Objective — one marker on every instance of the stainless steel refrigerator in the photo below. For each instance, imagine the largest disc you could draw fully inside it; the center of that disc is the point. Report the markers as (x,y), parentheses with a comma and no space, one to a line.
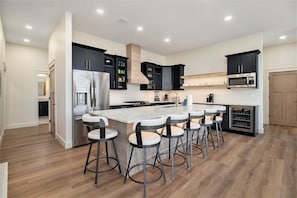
(90,92)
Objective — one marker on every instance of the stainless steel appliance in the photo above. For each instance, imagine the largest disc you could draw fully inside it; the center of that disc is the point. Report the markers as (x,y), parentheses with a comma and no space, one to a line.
(242,118)
(210,98)
(242,80)
(90,92)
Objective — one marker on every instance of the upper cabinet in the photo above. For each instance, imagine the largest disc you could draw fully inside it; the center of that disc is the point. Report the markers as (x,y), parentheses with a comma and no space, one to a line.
(162,77)
(116,66)
(153,73)
(87,58)
(177,72)
(120,72)
(245,62)
(109,67)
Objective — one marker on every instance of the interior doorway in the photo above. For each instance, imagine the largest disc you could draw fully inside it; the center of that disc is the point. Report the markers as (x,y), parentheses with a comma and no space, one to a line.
(283,98)
(43,97)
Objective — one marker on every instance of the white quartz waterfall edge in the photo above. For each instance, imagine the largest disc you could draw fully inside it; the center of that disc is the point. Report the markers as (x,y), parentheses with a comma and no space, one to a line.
(3,179)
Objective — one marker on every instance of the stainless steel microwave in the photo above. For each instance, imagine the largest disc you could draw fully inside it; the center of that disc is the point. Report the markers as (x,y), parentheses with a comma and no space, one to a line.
(242,80)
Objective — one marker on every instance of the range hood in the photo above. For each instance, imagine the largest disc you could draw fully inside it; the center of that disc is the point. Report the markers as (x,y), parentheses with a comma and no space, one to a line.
(135,76)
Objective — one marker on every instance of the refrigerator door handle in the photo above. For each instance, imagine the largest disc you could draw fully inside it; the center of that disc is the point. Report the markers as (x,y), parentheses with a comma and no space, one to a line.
(91,94)
(94,93)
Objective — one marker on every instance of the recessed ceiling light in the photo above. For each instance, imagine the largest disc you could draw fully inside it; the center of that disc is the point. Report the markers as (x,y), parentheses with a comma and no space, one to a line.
(167,40)
(139,28)
(100,11)
(26,40)
(282,37)
(228,18)
(29,27)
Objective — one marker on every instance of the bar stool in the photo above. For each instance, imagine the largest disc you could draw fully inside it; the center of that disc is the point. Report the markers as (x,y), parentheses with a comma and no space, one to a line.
(173,132)
(207,122)
(145,136)
(218,123)
(97,133)
(195,119)
(195,125)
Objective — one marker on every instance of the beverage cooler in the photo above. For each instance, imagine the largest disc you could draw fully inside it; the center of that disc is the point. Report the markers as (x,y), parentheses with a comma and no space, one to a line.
(242,119)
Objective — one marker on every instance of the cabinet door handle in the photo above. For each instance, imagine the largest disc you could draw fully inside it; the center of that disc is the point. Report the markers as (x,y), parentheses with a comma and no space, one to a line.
(241,68)
(238,68)
(86,64)
(89,65)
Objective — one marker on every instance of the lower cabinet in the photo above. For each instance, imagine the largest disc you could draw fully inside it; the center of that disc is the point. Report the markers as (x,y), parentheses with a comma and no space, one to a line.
(43,108)
(242,119)
(239,119)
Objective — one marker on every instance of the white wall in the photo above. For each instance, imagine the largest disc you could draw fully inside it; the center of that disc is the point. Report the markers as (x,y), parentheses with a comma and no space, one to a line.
(212,59)
(277,58)
(21,87)
(60,54)
(2,80)
(133,91)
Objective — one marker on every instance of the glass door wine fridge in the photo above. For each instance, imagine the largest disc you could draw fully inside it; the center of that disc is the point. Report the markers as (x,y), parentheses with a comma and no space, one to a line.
(242,118)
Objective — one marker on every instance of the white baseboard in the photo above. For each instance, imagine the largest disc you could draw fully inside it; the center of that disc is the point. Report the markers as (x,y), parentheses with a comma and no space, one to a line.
(66,145)
(21,125)
(260,130)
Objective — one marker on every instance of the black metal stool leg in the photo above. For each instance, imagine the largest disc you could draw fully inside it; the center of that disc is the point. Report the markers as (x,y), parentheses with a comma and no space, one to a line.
(87,161)
(172,162)
(211,135)
(144,172)
(106,150)
(221,132)
(162,168)
(158,146)
(116,154)
(218,135)
(185,156)
(128,164)
(97,162)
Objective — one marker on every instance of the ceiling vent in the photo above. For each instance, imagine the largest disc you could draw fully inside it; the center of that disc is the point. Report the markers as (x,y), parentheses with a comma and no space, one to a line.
(135,76)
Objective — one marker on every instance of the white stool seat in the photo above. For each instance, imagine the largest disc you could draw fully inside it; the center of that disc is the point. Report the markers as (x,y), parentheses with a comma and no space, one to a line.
(148,138)
(175,131)
(208,122)
(194,125)
(219,119)
(109,134)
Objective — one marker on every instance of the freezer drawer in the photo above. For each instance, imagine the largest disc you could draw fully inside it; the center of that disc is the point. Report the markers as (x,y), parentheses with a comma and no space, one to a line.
(80,133)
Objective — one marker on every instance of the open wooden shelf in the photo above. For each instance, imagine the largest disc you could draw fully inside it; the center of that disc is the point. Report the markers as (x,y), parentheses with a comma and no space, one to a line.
(207,80)
(203,86)
(206,75)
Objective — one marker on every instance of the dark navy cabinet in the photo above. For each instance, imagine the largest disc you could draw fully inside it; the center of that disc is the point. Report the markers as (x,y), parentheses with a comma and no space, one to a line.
(87,58)
(246,62)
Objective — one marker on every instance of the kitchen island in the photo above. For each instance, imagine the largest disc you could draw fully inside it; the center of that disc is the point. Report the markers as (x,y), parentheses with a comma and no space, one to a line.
(123,120)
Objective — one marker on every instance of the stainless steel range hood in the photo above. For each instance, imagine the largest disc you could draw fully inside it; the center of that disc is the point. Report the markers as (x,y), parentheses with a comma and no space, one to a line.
(135,76)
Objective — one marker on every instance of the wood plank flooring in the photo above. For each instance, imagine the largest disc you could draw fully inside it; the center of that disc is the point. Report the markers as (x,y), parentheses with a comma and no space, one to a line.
(265,166)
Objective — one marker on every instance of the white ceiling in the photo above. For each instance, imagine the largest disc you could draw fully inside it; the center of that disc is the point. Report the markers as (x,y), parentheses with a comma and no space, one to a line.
(189,23)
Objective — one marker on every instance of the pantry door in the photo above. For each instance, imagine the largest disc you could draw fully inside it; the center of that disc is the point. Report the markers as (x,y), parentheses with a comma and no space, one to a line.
(283,98)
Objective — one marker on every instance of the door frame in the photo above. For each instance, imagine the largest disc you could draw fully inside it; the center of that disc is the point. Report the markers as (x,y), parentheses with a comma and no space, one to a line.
(45,72)
(52,66)
(266,90)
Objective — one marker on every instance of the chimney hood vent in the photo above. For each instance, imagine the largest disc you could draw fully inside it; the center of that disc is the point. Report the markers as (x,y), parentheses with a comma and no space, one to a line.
(135,76)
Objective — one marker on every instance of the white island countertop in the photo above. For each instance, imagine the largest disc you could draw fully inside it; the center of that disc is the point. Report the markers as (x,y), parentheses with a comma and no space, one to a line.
(132,115)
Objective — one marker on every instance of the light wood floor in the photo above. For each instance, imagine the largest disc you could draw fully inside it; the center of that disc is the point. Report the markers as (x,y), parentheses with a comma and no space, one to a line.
(265,166)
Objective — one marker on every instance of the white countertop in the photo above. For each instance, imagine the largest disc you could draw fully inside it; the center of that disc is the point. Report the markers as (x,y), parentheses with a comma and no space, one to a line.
(132,115)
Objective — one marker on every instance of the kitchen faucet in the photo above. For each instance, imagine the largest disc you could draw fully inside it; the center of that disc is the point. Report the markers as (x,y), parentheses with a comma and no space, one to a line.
(176,98)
